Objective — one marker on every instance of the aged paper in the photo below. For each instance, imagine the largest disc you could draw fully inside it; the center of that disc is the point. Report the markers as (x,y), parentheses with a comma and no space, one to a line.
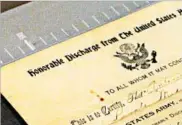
(165,112)
(103,75)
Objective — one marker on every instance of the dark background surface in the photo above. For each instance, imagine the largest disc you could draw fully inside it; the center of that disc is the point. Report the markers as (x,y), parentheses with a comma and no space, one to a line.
(9,116)
(7,5)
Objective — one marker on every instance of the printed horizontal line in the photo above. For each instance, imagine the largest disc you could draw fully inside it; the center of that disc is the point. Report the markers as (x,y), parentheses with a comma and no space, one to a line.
(54,36)
(29,45)
(9,53)
(64,32)
(85,23)
(96,20)
(135,4)
(126,7)
(117,13)
(23,52)
(74,27)
(42,40)
(106,15)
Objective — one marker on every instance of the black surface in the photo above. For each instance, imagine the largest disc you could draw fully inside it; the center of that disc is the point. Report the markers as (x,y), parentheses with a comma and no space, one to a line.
(9,115)
(7,5)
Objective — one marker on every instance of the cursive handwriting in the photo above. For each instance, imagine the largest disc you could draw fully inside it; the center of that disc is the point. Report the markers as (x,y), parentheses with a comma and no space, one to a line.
(153,87)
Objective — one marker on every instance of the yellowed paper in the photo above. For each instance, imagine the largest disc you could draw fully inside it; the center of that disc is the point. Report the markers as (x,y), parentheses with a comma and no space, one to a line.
(165,112)
(88,79)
